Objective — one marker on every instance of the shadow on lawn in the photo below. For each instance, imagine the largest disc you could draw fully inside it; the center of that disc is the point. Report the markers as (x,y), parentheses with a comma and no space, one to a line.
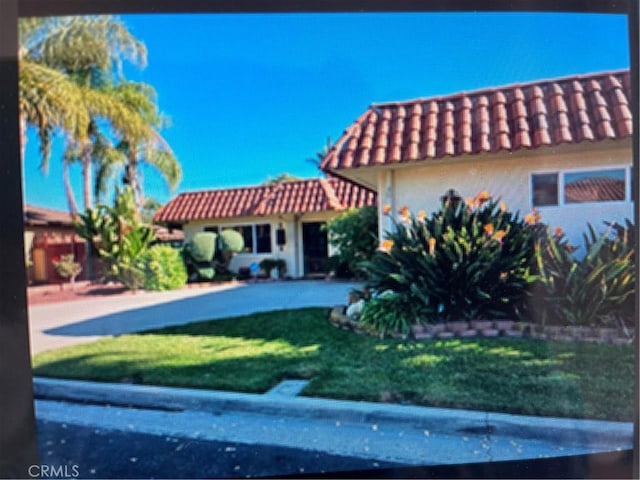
(242,300)
(253,354)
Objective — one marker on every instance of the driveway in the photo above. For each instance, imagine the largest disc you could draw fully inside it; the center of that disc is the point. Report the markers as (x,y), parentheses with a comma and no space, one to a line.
(62,324)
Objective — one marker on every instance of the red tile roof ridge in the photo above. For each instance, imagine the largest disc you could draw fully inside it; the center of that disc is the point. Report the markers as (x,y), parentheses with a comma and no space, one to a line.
(490,90)
(272,187)
(334,203)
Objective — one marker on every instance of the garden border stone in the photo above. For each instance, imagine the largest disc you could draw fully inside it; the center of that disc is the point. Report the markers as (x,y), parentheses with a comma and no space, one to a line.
(496,328)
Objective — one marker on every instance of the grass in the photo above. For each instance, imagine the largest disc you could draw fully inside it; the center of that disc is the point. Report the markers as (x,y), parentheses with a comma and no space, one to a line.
(255,352)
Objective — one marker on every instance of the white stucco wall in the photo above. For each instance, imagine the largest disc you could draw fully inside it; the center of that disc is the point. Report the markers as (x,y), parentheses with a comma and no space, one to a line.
(508,176)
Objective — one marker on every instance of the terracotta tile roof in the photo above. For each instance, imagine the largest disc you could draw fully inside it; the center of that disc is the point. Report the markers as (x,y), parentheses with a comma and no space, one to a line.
(524,116)
(303,196)
(40,216)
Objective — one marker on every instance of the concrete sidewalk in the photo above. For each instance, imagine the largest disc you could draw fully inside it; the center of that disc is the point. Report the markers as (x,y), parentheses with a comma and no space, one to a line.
(62,324)
(391,433)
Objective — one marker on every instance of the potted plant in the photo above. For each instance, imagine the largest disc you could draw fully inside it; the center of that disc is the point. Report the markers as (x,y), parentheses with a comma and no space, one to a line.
(274,267)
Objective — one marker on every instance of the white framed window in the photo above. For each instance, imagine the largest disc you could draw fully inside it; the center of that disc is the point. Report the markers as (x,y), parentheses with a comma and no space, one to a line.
(580,186)
(257,237)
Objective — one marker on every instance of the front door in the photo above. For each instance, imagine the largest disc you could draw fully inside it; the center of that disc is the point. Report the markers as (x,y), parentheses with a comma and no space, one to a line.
(314,248)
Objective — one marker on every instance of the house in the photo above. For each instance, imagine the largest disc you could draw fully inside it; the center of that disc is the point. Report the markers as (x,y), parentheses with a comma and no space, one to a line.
(562,146)
(48,234)
(281,221)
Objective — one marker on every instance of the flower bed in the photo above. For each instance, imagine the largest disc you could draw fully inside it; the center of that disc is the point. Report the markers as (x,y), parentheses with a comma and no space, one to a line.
(493,328)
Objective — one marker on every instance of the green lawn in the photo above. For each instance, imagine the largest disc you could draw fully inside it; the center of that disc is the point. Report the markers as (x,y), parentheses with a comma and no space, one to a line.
(254,353)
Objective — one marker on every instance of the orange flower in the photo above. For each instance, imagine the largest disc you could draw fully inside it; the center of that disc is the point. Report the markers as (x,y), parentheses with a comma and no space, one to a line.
(530,219)
(404,212)
(488,229)
(422,215)
(386,246)
(503,207)
(386,210)
(482,197)
(558,232)
(432,247)
(499,235)
(536,215)
(470,202)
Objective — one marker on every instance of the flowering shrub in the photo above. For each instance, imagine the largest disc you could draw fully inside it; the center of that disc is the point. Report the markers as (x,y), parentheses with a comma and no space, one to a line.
(468,260)
(596,290)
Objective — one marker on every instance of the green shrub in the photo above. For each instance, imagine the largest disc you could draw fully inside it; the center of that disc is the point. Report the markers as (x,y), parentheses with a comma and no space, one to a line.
(391,313)
(164,268)
(595,290)
(269,264)
(202,247)
(355,234)
(231,241)
(468,260)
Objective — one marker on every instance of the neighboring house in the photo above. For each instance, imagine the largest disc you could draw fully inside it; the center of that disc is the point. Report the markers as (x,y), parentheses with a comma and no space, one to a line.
(48,234)
(561,146)
(276,221)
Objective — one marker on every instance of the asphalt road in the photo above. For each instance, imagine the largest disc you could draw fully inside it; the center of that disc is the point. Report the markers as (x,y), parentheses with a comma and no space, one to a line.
(102,453)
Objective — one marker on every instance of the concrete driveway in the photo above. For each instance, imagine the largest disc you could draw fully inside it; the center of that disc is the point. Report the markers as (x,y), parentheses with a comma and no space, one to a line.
(58,325)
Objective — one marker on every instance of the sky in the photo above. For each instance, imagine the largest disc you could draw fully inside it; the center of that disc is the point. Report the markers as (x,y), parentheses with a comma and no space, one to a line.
(254,95)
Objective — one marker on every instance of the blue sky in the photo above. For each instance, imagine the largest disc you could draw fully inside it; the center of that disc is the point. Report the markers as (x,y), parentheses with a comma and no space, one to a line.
(252,96)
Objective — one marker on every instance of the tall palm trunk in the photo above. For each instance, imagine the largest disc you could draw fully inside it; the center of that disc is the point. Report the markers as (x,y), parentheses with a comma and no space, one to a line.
(68,189)
(132,178)
(87,180)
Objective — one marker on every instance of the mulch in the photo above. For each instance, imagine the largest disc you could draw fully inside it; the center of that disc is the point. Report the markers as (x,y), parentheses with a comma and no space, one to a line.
(82,291)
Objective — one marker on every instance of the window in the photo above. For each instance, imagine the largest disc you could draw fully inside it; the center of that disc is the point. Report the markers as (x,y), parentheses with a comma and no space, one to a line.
(263,238)
(247,234)
(545,189)
(586,186)
(257,238)
(598,186)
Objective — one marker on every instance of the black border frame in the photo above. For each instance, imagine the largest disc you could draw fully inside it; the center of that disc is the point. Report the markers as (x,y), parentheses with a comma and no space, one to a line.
(18,443)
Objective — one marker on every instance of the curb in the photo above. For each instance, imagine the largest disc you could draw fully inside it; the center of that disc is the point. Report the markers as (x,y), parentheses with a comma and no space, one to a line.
(434,420)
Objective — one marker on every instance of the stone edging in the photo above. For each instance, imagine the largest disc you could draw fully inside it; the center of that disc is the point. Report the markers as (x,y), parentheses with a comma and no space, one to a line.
(495,328)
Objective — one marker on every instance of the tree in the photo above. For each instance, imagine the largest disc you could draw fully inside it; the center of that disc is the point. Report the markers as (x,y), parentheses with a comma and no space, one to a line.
(119,238)
(355,234)
(281,178)
(48,99)
(84,55)
(320,154)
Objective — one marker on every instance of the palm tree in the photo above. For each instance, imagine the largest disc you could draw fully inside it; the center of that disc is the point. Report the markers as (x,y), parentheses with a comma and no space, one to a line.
(48,99)
(150,148)
(317,160)
(85,55)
